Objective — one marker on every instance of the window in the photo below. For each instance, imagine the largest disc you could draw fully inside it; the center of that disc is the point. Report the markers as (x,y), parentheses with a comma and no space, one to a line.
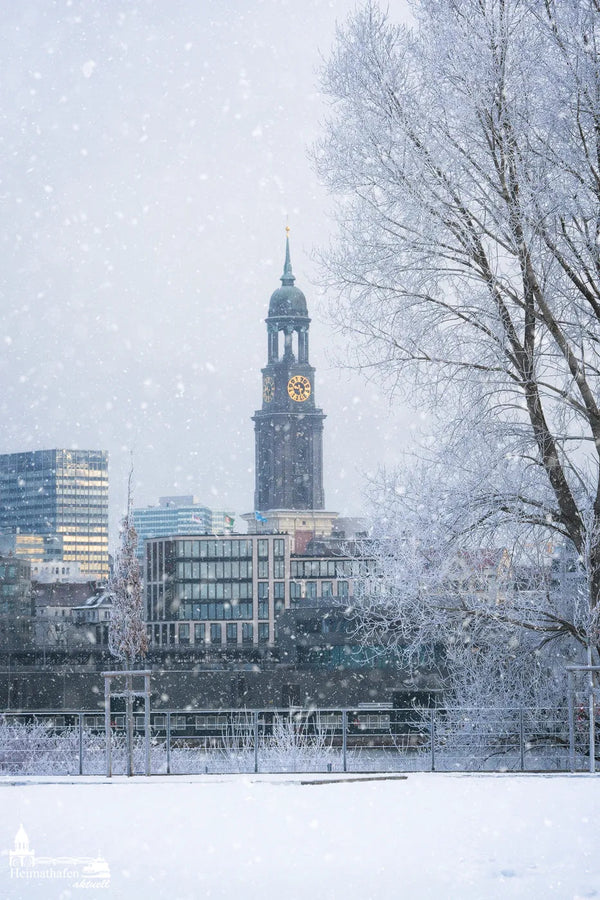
(263,568)
(326,589)
(199,633)
(263,599)
(263,633)
(311,590)
(233,610)
(278,547)
(215,634)
(263,549)
(247,633)
(231,633)
(342,588)
(278,568)
(245,548)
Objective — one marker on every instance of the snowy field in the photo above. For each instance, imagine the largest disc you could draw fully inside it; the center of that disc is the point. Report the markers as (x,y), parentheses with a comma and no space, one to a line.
(469,837)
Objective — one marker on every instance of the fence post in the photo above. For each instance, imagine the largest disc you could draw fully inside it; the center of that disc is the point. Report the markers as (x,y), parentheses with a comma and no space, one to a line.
(521,739)
(168,743)
(147,722)
(129,708)
(591,713)
(432,729)
(81,743)
(345,739)
(571,714)
(107,726)
(255,716)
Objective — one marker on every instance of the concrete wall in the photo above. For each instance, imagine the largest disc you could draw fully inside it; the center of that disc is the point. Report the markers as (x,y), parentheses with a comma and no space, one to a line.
(72,688)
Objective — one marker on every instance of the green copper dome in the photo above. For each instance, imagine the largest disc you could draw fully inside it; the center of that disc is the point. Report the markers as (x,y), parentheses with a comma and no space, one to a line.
(288,300)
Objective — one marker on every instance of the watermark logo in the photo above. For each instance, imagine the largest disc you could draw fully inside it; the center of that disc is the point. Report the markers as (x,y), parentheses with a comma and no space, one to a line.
(79,871)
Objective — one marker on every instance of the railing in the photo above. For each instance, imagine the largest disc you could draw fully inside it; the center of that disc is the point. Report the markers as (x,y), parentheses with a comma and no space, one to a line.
(382,739)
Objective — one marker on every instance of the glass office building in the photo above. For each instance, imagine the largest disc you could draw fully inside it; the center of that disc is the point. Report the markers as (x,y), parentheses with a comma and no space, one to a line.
(62,496)
(180,514)
(229,592)
(225,592)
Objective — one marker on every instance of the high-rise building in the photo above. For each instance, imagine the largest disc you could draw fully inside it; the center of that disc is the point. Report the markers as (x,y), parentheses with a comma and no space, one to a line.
(181,514)
(289,493)
(60,496)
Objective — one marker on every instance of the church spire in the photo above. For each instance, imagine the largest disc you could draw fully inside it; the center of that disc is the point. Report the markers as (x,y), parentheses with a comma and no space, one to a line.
(288,277)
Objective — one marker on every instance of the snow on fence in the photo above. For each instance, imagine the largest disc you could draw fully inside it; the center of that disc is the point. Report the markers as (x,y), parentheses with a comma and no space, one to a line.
(299,740)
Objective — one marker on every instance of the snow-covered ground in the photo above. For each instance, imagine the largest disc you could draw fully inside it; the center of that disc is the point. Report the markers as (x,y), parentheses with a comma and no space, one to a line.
(469,837)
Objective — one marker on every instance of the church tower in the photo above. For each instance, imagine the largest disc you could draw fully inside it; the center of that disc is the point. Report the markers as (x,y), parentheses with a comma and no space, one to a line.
(288,427)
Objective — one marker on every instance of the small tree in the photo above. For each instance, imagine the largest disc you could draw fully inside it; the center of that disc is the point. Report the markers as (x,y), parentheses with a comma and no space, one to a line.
(127,632)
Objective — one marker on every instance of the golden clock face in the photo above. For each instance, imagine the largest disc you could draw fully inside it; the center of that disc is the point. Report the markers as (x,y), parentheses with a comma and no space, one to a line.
(299,388)
(268,388)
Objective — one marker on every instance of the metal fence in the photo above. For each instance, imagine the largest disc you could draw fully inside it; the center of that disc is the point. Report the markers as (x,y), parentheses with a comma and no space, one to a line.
(374,739)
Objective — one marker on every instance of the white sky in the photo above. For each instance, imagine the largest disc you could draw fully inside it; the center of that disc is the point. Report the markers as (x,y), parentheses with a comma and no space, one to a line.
(150,154)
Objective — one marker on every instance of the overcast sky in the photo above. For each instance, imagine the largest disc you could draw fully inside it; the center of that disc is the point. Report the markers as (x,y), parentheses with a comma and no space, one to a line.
(151,152)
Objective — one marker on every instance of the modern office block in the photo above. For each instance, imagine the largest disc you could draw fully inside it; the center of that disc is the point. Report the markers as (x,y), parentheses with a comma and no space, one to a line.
(228,592)
(57,497)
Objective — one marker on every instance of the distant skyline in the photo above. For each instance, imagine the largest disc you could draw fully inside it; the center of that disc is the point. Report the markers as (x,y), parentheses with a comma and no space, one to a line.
(151,154)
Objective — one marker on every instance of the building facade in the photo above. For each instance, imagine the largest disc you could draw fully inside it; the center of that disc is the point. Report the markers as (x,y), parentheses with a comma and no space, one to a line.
(16,604)
(51,572)
(179,515)
(59,498)
(228,593)
(54,604)
(220,592)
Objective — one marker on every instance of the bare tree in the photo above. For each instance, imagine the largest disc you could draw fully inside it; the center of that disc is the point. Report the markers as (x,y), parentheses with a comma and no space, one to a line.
(127,638)
(465,159)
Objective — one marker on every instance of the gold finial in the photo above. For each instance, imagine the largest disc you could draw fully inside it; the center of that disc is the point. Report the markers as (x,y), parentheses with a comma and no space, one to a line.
(287,226)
